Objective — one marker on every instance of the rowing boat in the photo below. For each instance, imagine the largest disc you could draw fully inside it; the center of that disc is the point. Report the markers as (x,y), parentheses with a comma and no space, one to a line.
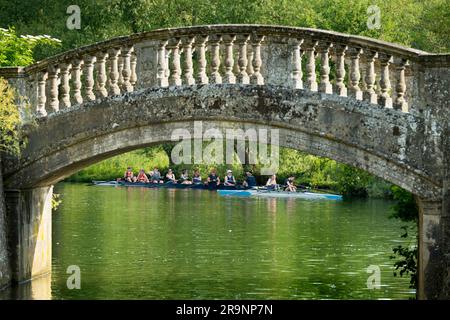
(222,190)
(278,194)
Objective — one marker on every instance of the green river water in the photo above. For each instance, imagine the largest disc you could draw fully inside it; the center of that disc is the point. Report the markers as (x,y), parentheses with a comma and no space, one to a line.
(136,243)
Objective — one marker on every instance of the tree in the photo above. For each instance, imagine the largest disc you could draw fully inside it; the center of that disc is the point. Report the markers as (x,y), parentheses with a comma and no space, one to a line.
(18,50)
(9,119)
(15,50)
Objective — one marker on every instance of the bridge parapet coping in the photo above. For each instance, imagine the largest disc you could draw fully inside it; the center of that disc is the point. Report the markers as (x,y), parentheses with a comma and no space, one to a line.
(316,60)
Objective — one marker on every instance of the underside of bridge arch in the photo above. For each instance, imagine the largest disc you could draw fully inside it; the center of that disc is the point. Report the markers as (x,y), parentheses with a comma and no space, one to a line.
(385,142)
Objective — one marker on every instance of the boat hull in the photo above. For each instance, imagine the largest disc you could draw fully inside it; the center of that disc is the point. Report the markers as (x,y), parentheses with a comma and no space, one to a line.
(279,194)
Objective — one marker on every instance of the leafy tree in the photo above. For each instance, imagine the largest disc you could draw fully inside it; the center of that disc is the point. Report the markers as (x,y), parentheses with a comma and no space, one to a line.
(407,211)
(17,50)
(9,119)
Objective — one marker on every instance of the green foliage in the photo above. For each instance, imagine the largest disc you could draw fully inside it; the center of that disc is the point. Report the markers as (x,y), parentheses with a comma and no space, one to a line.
(18,50)
(406,257)
(9,119)
(15,50)
(419,24)
(405,208)
(56,201)
(114,167)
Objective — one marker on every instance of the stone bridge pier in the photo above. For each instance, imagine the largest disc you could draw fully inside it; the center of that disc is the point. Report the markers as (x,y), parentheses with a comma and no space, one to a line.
(377,106)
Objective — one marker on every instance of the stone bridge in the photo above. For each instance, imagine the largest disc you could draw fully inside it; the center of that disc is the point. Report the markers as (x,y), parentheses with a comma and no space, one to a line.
(371,104)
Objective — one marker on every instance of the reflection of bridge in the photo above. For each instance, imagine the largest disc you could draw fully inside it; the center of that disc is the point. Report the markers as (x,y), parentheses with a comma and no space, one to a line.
(367,103)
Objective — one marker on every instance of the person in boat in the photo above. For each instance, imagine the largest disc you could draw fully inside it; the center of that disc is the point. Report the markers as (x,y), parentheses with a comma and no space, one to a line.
(170,177)
(197,178)
(184,178)
(249,181)
(128,176)
(213,178)
(272,183)
(290,186)
(229,180)
(156,176)
(142,177)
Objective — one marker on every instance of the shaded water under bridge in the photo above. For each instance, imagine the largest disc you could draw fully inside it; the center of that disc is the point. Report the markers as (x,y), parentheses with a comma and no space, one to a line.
(371,104)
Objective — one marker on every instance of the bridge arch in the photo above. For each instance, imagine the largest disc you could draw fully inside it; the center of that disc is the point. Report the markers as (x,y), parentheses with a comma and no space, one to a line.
(346,131)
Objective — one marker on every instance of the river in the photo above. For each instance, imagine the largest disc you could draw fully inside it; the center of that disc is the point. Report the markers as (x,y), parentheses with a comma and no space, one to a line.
(136,243)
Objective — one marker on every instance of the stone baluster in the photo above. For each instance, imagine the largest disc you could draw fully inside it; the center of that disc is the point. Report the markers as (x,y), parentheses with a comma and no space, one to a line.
(354,90)
(228,41)
(256,77)
(340,87)
(100,88)
(126,70)
(242,41)
(89,74)
(311,81)
(400,87)
(324,50)
(214,42)
(162,64)
(76,81)
(168,52)
(133,63)
(188,65)
(202,78)
(175,74)
(369,94)
(108,72)
(65,85)
(53,73)
(41,94)
(113,54)
(120,68)
(384,98)
(296,74)
(250,60)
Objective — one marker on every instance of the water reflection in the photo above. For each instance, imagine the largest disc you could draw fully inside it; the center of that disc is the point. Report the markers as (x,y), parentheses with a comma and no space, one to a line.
(38,289)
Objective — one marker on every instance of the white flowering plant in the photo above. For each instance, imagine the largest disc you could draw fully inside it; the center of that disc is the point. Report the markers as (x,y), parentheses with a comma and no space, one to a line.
(17,50)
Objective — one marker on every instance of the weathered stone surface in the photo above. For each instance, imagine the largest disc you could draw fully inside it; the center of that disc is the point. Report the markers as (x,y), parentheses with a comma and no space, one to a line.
(5,273)
(29,232)
(386,142)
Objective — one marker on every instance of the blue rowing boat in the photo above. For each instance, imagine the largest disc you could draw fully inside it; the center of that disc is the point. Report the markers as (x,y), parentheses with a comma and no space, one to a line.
(278,194)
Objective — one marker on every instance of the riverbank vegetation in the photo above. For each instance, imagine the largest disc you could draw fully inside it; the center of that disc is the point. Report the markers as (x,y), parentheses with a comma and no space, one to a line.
(310,171)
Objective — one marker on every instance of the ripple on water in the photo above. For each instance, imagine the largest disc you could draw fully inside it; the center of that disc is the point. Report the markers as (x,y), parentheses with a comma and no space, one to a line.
(162,244)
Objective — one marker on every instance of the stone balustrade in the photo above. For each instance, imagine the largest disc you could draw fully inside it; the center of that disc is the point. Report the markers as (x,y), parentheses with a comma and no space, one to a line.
(331,63)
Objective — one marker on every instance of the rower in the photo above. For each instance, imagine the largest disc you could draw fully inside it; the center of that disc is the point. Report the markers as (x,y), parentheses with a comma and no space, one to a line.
(250,181)
(184,178)
(156,176)
(213,178)
(289,182)
(230,181)
(272,183)
(170,177)
(142,177)
(197,178)
(128,175)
